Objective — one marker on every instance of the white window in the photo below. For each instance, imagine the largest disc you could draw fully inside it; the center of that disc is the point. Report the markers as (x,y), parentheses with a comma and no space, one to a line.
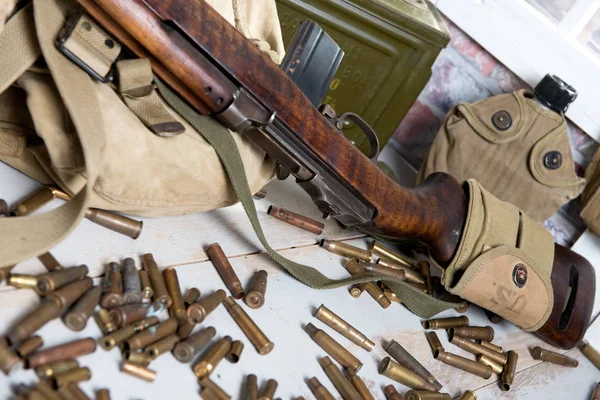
(536,37)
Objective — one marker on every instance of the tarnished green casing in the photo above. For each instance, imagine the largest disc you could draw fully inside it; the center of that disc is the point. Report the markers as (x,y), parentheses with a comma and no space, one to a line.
(390,46)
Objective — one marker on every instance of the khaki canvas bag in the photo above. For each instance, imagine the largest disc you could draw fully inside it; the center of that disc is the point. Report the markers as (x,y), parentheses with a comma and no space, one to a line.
(590,199)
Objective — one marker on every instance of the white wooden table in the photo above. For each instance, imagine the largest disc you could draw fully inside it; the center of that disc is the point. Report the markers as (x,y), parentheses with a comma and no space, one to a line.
(179,242)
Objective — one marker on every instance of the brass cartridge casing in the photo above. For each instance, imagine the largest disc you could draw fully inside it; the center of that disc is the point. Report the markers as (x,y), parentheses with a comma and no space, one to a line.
(425,269)
(410,275)
(339,381)
(384,271)
(590,353)
(462,307)
(75,375)
(225,270)
(477,349)
(354,268)
(159,289)
(186,351)
(120,336)
(147,291)
(468,395)
(33,202)
(269,390)
(251,388)
(149,336)
(212,357)
(115,222)
(185,329)
(426,395)
(208,385)
(103,321)
(162,346)
(496,368)
(8,358)
(473,332)
(132,286)
(333,348)
(297,220)
(43,314)
(72,392)
(191,296)
(65,351)
(3,208)
(403,375)
(256,293)
(69,294)
(112,286)
(102,394)
(235,352)
(386,253)
(434,342)
(356,291)
(358,384)
(445,323)
(391,296)
(345,250)
(199,310)
(177,308)
(404,358)
(470,366)
(259,340)
(49,370)
(140,358)
(596,394)
(209,394)
(127,314)
(5,271)
(508,374)
(554,358)
(76,318)
(336,323)
(51,281)
(29,346)
(49,262)
(138,371)
(490,346)
(22,281)
(46,390)
(391,393)
(318,390)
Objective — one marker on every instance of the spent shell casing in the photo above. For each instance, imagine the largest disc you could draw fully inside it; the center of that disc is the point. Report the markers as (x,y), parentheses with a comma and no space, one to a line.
(494,318)
(177,308)
(147,291)
(468,395)
(268,392)
(46,390)
(255,298)
(159,288)
(33,202)
(477,349)
(590,353)
(596,393)
(318,390)
(186,350)
(138,371)
(162,346)
(65,351)
(490,346)
(129,313)
(191,296)
(139,358)
(251,388)
(28,346)
(462,307)
(356,291)
(354,268)
(49,370)
(49,262)
(386,253)
(132,286)
(149,336)
(333,348)
(358,384)
(508,374)
(426,395)
(69,294)
(473,332)
(403,375)
(391,393)
(345,250)
(434,342)
(3,208)
(384,271)
(338,379)
(198,311)
(185,329)
(102,394)
(209,361)
(539,353)
(112,286)
(76,318)
(425,269)
(72,392)
(445,323)
(297,220)
(8,358)
(235,352)
(208,385)
(410,275)
(225,270)
(47,311)
(404,358)
(259,340)
(51,281)
(104,322)
(339,325)
(470,366)
(117,337)
(393,297)
(209,394)
(75,375)
(22,281)
(496,368)
(115,222)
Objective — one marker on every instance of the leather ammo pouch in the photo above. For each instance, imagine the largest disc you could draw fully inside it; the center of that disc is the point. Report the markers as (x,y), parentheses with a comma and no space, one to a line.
(590,199)
(504,261)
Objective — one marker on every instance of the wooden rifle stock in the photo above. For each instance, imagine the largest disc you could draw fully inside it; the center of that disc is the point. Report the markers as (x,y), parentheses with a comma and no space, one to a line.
(171,33)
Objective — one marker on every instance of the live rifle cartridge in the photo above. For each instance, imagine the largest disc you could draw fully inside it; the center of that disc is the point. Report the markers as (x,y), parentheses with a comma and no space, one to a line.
(132,286)
(49,262)
(333,348)
(129,313)
(149,336)
(115,338)
(445,323)
(159,289)
(470,366)
(490,346)
(8,358)
(112,286)
(468,395)
(147,291)
(403,375)
(434,342)
(297,220)
(590,353)
(209,361)
(256,293)
(391,393)
(425,269)
(191,296)
(22,281)
(473,332)
(162,346)
(384,271)
(410,275)
(342,327)
(199,310)
(65,351)
(139,358)
(208,385)
(354,268)
(554,358)
(138,371)
(318,390)
(177,308)
(340,382)
(596,394)
(29,346)
(49,370)
(115,222)
(388,254)
(76,318)
(51,281)
(225,270)
(404,358)
(426,395)
(358,384)
(235,352)
(251,387)
(33,202)
(259,340)
(186,350)
(477,349)
(496,368)
(268,392)
(102,394)
(75,375)
(345,250)
(356,291)
(508,374)
(104,322)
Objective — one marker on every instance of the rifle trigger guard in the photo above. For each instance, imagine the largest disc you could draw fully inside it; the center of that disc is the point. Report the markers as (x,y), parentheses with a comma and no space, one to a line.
(367,130)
